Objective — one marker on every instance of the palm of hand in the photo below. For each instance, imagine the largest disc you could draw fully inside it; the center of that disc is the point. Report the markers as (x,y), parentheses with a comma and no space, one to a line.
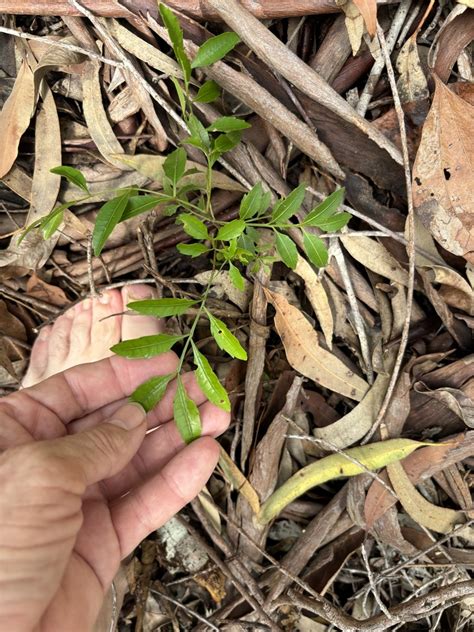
(74,536)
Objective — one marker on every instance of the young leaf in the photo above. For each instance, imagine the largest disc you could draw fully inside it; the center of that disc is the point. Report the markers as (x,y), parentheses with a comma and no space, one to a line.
(151,392)
(107,219)
(236,277)
(226,142)
(336,222)
(208,92)
(326,209)
(286,207)
(146,346)
(192,250)
(50,226)
(225,339)
(193,226)
(138,204)
(198,133)
(181,94)
(231,230)
(315,249)
(209,382)
(72,175)
(186,415)
(176,36)
(162,307)
(287,250)
(175,165)
(215,48)
(228,124)
(250,203)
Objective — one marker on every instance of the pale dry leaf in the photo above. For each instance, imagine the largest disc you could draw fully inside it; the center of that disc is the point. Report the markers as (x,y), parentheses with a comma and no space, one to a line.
(438,519)
(238,481)
(368,10)
(144,51)
(15,116)
(96,118)
(316,293)
(443,172)
(222,286)
(411,84)
(151,166)
(374,256)
(355,25)
(305,354)
(210,508)
(58,58)
(455,399)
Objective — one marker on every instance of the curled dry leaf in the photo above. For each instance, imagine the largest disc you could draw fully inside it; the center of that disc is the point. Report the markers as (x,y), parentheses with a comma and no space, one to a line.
(368,10)
(96,118)
(442,174)
(454,398)
(305,354)
(374,256)
(439,519)
(456,33)
(16,115)
(318,298)
(222,285)
(412,84)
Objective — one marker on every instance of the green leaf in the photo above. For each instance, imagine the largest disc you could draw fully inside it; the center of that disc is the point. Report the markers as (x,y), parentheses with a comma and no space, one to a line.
(192,250)
(236,277)
(208,92)
(209,382)
(193,226)
(288,206)
(287,250)
(250,203)
(107,219)
(326,209)
(225,339)
(72,175)
(181,94)
(215,48)
(336,222)
(151,392)
(162,307)
(186,415)
(50,226)
(175,165)
(176,36)
(138,204)
(146,346)
(231,230)
(316,249)
(198,133)
(226,142)
(228,124)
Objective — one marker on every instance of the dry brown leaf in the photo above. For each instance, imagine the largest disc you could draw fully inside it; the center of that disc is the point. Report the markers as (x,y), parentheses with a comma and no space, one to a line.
(96,118)
(222,286)
(15,116)
(439,519)
(454,398)
(141,49)
(305,354)
(456,32)
(374,256)
(238,481)
(316,293)
(411,84)
(368,10)
(51,294)
(443,172)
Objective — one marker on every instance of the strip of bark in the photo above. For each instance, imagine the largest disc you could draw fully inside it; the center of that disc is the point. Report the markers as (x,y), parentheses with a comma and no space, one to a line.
(262,9)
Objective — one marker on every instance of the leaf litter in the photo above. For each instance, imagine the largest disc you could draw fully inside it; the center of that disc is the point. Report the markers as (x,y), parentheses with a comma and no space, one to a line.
(305,396)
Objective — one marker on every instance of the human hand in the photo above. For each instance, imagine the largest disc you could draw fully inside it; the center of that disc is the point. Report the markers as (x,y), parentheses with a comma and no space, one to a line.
(82,485)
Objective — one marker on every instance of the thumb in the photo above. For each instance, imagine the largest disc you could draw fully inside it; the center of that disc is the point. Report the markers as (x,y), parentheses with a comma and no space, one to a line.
(101,451)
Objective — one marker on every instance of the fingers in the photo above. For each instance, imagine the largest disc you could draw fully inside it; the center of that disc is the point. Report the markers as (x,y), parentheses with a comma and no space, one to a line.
(149,506)
(159,447)
(82,390)
(88,457)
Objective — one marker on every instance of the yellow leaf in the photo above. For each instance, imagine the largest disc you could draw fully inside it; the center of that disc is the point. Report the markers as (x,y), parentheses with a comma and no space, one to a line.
(357,461)
(439,519)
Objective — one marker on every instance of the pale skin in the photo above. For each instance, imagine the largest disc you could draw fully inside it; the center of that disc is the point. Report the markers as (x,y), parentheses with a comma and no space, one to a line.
(82,483)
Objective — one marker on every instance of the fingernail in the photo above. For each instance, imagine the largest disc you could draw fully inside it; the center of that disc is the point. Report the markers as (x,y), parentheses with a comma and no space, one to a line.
(140,292)
(129,416)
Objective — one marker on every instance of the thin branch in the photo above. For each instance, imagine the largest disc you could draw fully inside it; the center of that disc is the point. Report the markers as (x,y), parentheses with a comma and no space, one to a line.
(411,250)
